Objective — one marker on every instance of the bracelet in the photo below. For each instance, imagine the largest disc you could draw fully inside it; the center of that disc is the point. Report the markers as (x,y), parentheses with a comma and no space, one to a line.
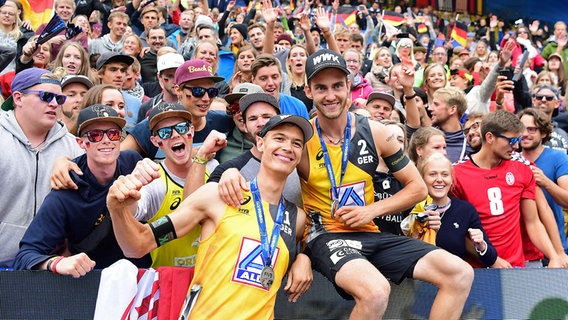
(198,159)
(49,262)
(411,97)
(54,264)
(482,253)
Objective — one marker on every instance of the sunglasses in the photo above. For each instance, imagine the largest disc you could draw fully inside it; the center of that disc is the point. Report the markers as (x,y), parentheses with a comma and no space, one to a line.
(166,132)
(540,97)
(406,45)
(474,126)
(98,134)
(512,141)
(46,96)
(199,92)
(233,109)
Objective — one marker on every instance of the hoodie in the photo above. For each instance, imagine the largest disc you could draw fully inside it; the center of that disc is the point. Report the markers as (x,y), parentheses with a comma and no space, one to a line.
(25,177)
(105,44)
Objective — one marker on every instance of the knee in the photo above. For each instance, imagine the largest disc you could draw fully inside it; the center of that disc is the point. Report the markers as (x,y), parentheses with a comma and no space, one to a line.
(462,275)
(377,296)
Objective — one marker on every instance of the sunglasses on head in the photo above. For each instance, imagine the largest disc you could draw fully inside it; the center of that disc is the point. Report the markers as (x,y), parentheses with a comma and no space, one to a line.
(512,141)
(166,132)
(97,135)
(233,109)
(46,96)
(540,97)
(199,92)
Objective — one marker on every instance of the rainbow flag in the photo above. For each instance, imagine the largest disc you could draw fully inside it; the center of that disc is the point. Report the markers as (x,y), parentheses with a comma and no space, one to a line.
(37,11)
(459,33)
(393,18)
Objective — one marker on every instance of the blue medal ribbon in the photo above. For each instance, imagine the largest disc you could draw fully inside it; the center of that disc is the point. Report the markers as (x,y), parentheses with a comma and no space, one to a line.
(344,157)
(267,251)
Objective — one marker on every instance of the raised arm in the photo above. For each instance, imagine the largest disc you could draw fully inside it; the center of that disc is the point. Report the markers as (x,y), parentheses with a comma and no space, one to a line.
(214,142)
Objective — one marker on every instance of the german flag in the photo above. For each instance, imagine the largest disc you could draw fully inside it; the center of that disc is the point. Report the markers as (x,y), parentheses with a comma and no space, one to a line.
(421,28)
(393,18)
(459,33)
(37,11)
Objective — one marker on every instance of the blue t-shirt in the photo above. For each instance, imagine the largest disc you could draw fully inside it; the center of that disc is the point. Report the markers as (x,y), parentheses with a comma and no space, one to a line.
(216,120)
(554,164)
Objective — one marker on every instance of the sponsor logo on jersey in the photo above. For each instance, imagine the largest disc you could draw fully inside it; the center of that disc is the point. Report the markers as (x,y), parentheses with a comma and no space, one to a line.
(249,263)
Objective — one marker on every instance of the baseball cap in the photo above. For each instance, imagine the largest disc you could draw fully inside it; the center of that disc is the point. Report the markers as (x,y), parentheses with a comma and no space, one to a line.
(170,61)
(383,96)
(76,78)
(242,89)
(203,20)
(194,70)
(464,51)
(279,119)
(25,79)
(166,110)
(324,59)
(248,99)
(98,113)
(555,55)
(108,57)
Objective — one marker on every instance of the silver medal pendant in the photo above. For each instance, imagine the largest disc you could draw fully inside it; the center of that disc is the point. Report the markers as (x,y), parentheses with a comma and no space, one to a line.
(267,277)
(334,207)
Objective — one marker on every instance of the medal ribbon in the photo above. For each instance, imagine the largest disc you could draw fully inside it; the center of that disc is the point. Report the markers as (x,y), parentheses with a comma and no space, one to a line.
(267,251)
(344,156)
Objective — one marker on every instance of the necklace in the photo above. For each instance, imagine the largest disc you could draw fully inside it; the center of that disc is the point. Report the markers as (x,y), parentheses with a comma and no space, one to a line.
(338,141)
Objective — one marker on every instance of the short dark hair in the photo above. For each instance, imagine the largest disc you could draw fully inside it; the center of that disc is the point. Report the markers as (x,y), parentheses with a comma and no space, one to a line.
(264,60)
(541,121)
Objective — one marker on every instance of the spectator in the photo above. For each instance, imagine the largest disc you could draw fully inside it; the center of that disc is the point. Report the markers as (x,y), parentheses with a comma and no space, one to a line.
(74,87)
(504,199)
(455,222)
(114,40)
(75,60)
(79,218)
(35,139)
(547,99)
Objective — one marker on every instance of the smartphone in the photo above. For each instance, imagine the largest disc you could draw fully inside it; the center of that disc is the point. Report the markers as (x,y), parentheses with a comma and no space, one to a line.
(507,72)
(361,8)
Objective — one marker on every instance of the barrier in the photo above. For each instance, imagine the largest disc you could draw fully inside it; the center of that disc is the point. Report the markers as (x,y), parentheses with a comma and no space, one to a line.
(496,294)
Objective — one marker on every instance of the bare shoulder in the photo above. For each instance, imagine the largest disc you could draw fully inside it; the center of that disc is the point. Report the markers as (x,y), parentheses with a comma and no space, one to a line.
(385,141)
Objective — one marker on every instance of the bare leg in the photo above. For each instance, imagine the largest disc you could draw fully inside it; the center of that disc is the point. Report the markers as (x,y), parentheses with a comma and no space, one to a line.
(367,285)
(452,276)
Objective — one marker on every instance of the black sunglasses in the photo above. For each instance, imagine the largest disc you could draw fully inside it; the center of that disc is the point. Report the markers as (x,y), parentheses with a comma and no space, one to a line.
(474,126)
(46,96)
(512,141)
(166,132)
(97,135)
(539,97)
(199,92)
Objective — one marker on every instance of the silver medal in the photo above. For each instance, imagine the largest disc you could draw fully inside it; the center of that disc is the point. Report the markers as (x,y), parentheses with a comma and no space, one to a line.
(267,277)
(334,207)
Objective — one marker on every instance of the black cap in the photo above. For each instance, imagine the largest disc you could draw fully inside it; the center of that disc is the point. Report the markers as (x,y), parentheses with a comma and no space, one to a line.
(279,119)
(76,78)
(248,99)
(98,113)
(167,110)
(108,57)
(323,59)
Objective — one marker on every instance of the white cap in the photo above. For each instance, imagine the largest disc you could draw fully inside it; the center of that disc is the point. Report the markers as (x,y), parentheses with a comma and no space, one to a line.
(170,61)
(203,19)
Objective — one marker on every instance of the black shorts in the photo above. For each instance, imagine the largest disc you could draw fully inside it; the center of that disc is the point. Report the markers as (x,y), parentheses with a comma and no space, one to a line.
(394,256)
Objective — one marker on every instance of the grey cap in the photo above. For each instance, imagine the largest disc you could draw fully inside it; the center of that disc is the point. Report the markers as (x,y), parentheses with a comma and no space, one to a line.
(249,99)
(383,96)
(241,89)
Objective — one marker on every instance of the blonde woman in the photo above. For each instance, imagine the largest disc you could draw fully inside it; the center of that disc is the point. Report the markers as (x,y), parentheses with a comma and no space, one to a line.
(207,50)
(75,60)
(382,63)
(12,37)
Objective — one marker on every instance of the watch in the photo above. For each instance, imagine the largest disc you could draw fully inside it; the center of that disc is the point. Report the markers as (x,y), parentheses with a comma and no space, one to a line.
(412,96)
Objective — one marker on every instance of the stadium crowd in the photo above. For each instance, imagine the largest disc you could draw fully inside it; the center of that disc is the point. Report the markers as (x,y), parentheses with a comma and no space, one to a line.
(386,132)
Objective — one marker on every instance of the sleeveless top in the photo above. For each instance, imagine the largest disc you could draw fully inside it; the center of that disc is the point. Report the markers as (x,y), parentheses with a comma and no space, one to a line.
(229,264)
(357,185)
(183,251)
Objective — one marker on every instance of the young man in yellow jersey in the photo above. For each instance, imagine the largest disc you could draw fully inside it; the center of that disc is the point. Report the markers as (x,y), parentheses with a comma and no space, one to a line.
(239,266)
(172,132)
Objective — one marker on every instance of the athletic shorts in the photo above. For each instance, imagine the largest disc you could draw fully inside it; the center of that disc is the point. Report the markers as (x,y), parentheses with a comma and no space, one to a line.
(394,256)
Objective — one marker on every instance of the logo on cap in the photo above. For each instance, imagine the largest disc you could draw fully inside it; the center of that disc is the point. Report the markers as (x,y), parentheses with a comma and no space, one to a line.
(207,68)
(101,111)
(326,57)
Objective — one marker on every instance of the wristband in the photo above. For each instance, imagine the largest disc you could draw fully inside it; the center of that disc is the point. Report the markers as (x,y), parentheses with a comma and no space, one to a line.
(396,161)
(163,230)
(54,264)
(198,159)
(49,262)
(482,253)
